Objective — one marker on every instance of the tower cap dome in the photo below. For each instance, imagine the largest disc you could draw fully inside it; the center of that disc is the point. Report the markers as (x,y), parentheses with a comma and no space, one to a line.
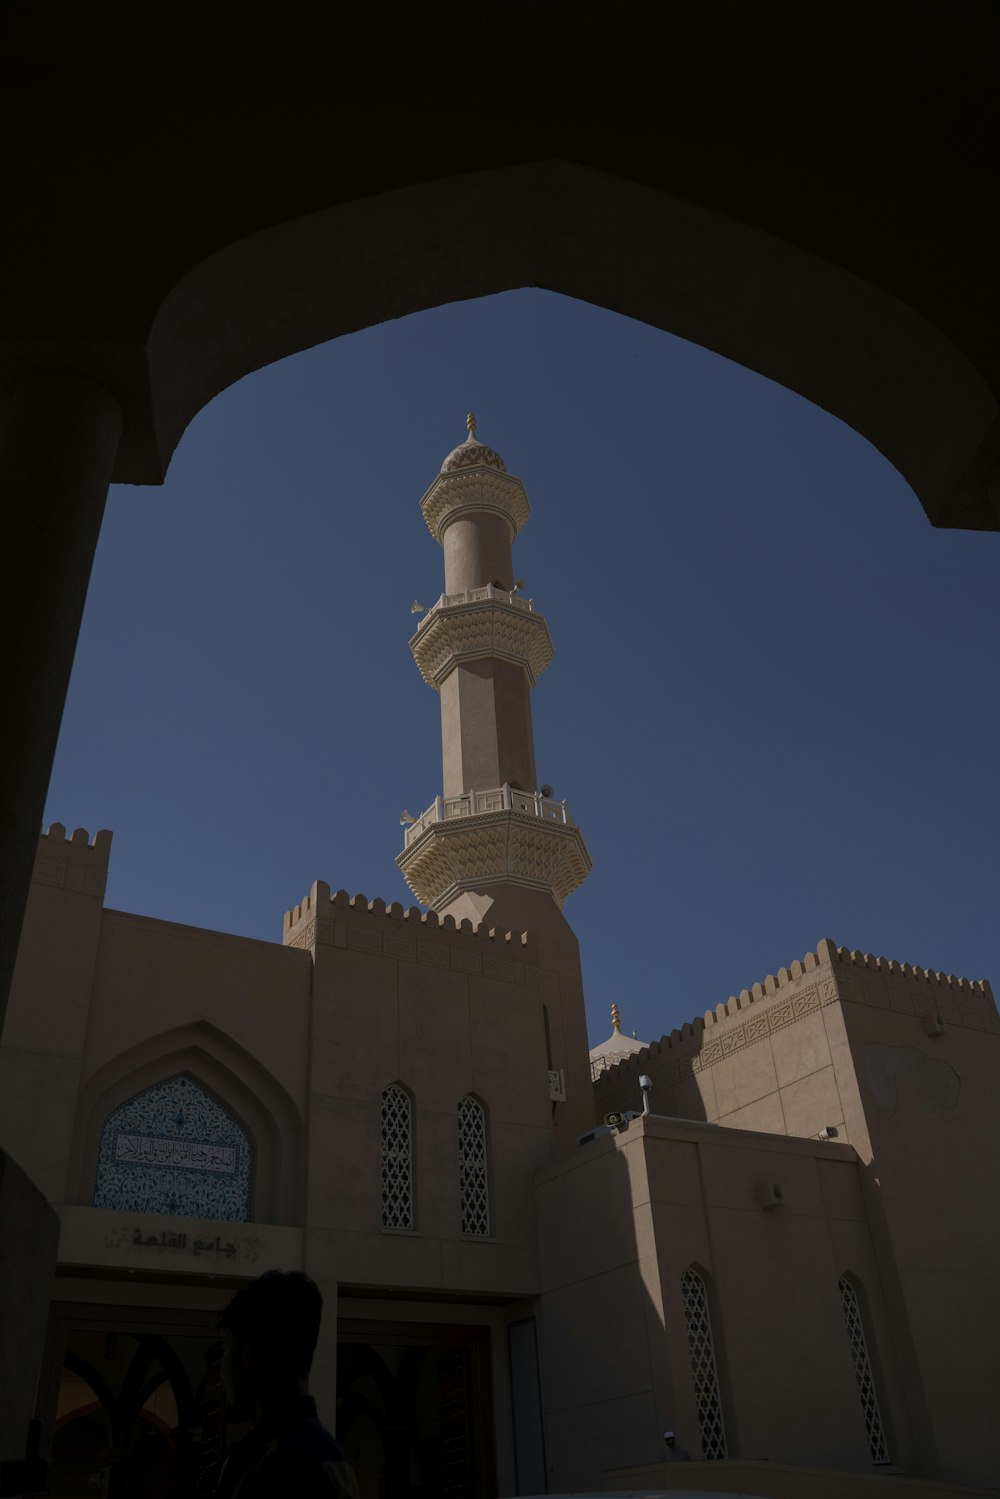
(472,452)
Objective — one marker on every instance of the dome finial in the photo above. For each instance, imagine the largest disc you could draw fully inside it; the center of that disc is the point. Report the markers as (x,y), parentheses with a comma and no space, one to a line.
(470,422)
(616,1019)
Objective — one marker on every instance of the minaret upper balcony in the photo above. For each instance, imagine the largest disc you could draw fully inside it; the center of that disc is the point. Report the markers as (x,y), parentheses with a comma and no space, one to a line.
(488,621)
(474,480)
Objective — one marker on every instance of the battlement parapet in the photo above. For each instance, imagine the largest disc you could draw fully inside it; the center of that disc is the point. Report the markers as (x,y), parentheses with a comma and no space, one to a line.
(73,863)
(817,980)
(411,935)
(891,968)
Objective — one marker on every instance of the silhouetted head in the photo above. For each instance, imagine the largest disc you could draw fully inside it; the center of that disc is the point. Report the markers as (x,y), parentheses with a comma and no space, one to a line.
(269,1333)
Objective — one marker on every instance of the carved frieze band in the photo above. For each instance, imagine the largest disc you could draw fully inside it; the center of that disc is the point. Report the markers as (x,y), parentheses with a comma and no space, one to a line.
(426,950)
(773,1017)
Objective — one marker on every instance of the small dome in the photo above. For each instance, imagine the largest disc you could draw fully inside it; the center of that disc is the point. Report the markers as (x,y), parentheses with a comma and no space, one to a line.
(472,452)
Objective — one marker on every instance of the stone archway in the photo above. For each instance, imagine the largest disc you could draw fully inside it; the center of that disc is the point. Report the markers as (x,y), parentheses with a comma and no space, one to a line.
(328,174)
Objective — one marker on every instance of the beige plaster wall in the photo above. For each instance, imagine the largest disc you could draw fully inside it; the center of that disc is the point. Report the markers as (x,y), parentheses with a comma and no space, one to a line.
(446,1013)
(560,986)
(299,1040)
(932,1110)
(854,1041)
(620,1220)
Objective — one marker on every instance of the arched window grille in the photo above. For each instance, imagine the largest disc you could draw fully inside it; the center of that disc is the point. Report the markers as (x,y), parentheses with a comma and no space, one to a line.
(174,1149)
(397,1158)
(472,1169)
(711,1427)
(863,1372)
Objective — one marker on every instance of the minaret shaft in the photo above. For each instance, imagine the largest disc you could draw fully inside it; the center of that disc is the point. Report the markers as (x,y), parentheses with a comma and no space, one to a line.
(486,733)
(477,551)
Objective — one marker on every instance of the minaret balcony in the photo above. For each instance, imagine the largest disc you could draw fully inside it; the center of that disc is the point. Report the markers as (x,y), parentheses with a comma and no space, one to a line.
(480,488)
(494,837)
(481,622)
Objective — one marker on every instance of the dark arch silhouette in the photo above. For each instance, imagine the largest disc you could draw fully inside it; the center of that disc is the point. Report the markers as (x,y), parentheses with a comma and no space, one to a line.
(699,167)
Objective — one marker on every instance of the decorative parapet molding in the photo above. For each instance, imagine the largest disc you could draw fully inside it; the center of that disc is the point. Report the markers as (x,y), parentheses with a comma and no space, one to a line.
(466,490)
(507,847)
(485,622)
(73,863)
(911,990)
(415,936)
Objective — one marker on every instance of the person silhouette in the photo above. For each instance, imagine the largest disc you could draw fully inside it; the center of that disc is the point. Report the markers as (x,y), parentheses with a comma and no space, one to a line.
(675,1454)
(269,1333)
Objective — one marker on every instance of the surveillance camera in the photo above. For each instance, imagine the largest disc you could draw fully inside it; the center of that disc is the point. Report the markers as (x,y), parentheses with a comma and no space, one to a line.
(645,1082)
(828,1133)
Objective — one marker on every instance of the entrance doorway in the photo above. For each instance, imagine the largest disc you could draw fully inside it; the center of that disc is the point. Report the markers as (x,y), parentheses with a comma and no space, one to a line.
(414,1409)
(132,1401)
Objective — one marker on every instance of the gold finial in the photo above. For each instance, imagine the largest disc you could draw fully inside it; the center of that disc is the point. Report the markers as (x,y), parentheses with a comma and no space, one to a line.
(616,1019)
(470,422)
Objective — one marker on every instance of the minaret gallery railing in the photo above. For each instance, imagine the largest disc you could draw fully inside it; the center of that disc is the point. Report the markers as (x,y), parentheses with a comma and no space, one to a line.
(503,799)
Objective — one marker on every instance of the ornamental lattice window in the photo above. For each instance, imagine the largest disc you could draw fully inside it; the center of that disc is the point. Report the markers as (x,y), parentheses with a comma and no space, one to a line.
(472,1170)
(397,1158)
(863,1373)
(711,1428)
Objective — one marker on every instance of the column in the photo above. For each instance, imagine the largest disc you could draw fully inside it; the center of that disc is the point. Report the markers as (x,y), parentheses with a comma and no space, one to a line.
(57,449)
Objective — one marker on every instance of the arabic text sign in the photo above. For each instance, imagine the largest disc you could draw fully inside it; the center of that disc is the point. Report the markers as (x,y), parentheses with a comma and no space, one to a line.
(145,1150)
(167,1239)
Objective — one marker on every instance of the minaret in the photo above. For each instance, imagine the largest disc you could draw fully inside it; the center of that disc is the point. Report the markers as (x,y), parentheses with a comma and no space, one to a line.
(483,647)
(495,848)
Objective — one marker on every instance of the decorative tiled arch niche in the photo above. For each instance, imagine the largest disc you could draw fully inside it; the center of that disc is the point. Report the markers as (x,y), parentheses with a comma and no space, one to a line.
(174,1149)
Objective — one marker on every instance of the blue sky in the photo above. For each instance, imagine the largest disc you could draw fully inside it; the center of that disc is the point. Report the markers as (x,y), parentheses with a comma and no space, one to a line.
(772,710)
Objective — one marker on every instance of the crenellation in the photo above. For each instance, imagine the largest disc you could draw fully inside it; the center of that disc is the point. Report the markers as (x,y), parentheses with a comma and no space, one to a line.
(308,917)
(892,967)
(74,863)
(53,842)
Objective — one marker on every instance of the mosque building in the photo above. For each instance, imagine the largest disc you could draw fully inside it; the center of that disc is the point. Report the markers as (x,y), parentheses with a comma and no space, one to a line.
(773,1232)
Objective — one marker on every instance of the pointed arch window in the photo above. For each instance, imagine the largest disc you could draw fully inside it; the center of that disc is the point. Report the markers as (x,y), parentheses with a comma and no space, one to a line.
(397,1158)
(863,1372)
(174,1148)
(698,1321)
(473,1171)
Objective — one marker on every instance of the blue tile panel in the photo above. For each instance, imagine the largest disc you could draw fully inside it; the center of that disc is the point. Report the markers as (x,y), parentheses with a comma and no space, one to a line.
(174,1149)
